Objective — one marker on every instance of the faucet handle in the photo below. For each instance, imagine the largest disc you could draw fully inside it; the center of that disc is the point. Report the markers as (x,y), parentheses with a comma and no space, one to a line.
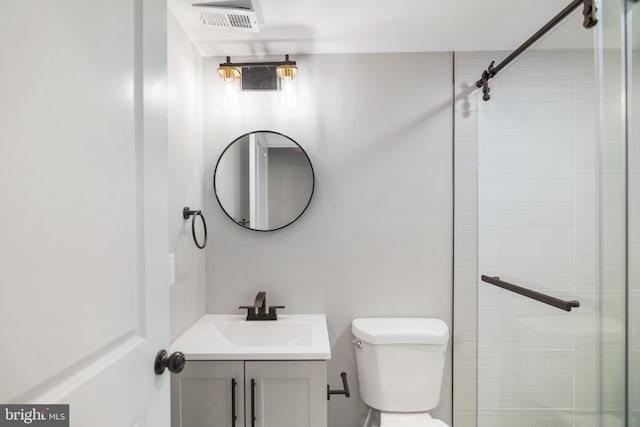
(273,315)
(273,308)
(252,313)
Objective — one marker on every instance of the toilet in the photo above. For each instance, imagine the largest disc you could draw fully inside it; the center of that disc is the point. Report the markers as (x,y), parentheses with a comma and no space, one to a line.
(400,365)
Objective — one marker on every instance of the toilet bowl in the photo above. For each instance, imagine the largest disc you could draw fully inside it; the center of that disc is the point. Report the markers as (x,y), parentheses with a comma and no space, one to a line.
(400,365)
(421,419)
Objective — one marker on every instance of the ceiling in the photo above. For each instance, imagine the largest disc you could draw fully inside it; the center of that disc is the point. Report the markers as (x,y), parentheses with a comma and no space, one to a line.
(349,26)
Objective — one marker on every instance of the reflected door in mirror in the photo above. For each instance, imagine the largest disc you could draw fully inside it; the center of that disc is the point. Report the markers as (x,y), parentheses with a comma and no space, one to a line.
(264,181)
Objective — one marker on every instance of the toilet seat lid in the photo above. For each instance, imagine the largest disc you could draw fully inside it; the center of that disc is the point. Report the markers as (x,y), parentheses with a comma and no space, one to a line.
(421,419)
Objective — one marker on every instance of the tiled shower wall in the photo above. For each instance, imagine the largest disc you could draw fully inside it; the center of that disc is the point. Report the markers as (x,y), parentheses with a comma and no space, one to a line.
(525,174)
(465,274)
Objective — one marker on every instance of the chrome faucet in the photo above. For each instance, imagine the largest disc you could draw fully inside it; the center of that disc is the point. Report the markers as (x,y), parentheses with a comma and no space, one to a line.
(258,311)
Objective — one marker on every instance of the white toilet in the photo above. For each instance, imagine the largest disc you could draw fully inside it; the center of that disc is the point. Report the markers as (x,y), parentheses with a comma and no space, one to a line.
(400,367)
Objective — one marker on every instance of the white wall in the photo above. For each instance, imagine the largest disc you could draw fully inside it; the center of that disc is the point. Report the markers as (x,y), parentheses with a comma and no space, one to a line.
(232,183)
(185,175)
(377,237)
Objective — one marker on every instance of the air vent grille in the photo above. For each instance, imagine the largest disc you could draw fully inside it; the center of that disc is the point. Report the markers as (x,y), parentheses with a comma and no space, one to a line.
(231,19)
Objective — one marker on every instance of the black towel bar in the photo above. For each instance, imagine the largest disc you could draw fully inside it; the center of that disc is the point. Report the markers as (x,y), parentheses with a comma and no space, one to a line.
(546,299)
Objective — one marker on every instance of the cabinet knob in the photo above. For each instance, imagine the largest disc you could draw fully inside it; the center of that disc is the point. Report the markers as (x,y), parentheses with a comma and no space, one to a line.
(174,362)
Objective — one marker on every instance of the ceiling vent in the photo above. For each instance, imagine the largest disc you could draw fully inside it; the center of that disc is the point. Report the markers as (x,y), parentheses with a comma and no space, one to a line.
(228,18)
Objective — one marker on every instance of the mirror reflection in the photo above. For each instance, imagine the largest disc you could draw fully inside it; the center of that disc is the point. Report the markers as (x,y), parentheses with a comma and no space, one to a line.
(264,180)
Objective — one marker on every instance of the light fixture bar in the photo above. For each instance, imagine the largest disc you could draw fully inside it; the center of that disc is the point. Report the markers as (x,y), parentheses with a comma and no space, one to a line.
(257,64)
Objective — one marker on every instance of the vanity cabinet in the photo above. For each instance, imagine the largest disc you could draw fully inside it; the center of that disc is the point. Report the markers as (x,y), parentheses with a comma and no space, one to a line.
(286,394)
(207,393)
(259,393)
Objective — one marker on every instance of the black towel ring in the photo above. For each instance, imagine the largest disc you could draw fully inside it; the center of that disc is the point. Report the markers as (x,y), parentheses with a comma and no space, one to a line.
(186,213)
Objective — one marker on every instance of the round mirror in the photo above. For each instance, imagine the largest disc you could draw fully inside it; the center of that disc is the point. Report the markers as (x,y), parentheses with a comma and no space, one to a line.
(264,181)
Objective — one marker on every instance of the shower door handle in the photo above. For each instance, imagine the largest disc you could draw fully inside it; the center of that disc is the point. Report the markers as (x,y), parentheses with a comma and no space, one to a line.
(545,299)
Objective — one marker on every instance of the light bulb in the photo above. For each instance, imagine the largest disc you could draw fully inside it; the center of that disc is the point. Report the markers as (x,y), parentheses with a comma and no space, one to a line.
(228,73)
(287,82)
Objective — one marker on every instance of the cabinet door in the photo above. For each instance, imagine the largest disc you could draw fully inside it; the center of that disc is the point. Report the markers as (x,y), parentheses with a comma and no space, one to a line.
(207,393)
(286,394)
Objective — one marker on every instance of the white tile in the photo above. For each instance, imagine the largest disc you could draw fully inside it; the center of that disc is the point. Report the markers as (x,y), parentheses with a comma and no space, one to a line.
(634,382)
(587,360)
(525,379)
(541,260)
(463,417)
(586,154)
(612,154)
(514,140)
(613,383)
(510,219)
(586,260)
(587,124)
(590,418)
(612,319)
(525,418)
(527,190)
(611,419)
(612,248)
(466,126)
(634,201)
(613,280)
(466,189)
(466,219)
(586,207)
(634,324)
(466,156)
(509,321)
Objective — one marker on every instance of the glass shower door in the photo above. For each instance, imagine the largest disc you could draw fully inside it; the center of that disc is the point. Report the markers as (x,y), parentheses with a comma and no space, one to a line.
(559,213)
(538,228)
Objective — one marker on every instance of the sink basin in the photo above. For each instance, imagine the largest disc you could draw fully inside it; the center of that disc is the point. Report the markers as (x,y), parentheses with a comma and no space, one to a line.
(231,337)
(267,333)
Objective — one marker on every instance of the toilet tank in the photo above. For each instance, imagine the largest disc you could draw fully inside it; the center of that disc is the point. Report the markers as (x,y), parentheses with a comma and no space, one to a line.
(400,362)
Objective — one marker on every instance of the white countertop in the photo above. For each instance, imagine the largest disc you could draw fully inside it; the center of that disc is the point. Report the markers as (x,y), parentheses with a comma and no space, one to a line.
(231,337)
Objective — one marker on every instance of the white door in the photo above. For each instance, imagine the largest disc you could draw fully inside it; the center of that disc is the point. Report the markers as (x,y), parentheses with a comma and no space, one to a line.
(209,393)
(83,208)
(258,182)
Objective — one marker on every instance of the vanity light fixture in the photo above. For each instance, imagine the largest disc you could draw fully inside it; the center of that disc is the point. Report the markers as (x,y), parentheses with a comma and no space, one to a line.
(258,75)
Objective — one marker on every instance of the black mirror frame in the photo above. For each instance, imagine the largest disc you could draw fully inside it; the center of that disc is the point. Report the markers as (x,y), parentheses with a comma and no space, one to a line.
(313,184)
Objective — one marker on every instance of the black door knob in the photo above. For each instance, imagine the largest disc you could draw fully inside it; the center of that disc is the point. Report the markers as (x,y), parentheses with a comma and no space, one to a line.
(175,363)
